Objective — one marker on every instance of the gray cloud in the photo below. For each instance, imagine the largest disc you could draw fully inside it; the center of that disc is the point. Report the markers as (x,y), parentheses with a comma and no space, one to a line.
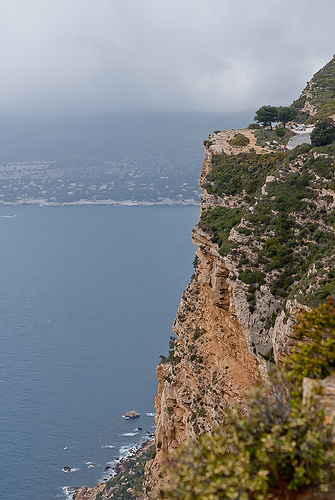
(101,56)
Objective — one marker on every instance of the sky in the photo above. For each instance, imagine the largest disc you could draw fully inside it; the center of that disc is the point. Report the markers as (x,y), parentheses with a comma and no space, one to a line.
(87,57)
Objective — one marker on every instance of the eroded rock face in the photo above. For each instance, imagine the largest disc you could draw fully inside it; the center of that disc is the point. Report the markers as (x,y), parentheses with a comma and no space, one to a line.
(283,335)
(228,333)
(214,365)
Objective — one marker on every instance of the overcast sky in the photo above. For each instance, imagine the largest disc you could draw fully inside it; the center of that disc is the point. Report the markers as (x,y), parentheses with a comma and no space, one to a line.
(98,56)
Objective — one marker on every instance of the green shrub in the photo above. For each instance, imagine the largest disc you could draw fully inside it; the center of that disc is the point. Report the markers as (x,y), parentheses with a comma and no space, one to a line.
(254,126)
(170,358)
(323,133)
(272,446)
(219,221)
(279,445)
(280,131)
(252,277)
(239,140)
(315,358)
(197,333)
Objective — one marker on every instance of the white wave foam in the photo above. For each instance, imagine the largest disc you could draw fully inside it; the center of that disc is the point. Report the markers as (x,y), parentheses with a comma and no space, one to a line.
(7,216)
(126,451)
(74,469)
(107,446)
(129,434)
(68,491)
(150,414)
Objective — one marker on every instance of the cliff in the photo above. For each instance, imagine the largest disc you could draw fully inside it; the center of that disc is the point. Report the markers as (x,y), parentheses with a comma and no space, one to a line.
(265,243)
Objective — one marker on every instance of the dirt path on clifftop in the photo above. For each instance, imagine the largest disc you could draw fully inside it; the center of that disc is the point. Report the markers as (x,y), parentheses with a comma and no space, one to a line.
(222,143)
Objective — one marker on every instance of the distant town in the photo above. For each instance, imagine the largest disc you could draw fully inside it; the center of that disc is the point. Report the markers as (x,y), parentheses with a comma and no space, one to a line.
(42,182)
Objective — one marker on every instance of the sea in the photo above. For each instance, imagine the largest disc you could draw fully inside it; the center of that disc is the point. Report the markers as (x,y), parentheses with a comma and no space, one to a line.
(88,295)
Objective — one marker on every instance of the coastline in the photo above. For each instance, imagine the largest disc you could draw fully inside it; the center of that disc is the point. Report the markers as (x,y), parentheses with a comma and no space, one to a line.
(124,203)
(116,471)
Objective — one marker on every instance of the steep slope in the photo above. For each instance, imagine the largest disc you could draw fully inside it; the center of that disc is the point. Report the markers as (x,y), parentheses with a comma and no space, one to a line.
(265,251)
(317,100)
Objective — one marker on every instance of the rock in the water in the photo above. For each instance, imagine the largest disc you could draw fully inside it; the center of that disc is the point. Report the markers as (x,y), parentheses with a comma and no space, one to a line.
(132,414)
(67,469)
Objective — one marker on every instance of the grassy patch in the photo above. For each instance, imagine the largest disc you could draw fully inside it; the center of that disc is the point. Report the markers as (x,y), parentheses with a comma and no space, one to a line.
(239,140)
(218,222)
(231,174)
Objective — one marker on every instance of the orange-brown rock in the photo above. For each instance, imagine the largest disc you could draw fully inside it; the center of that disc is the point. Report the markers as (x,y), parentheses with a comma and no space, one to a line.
(132,414)
(89,493)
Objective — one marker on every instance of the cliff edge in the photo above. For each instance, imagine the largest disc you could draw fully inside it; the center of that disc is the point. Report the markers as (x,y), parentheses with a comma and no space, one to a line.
(265,243)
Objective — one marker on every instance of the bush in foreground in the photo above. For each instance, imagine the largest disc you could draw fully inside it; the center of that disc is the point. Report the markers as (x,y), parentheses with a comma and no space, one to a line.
(279,444)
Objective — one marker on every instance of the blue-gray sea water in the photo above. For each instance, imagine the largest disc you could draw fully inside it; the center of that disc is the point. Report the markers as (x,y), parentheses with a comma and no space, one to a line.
(87,300)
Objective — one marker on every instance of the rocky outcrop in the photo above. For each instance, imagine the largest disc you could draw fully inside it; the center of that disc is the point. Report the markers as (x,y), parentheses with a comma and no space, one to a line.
(89,493)
(213,363)
(132,414)
(317,99)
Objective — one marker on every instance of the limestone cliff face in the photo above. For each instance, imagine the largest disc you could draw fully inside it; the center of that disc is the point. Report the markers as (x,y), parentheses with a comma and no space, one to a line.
(236,316)
(214,364)
(221,344)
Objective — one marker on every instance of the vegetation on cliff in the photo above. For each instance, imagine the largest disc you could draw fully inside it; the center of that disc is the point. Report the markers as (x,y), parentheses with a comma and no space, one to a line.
(283,205)
(315,358)
(318,98)
(279,445)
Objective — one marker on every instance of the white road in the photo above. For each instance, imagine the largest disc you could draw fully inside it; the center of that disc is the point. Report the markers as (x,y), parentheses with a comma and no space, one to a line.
(301,138)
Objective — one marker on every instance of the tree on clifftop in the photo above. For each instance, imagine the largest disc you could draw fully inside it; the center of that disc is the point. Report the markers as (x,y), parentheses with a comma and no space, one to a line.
(286,114)
(266,115)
